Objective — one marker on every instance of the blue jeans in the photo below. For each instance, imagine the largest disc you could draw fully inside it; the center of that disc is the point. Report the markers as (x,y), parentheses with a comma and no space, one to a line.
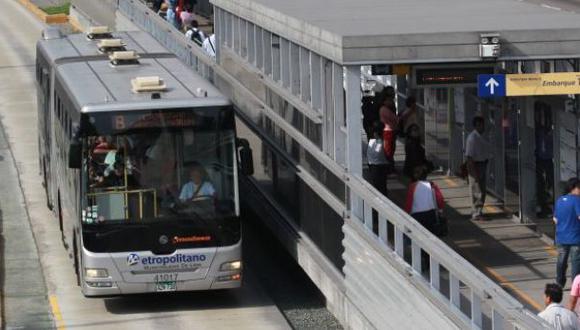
(565,251)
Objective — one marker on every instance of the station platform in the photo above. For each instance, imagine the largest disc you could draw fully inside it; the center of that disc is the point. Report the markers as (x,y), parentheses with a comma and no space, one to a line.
(513,255)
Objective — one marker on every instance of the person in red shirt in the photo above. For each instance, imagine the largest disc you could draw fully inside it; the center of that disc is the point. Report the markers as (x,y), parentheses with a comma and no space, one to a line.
(387,114)
(424,199)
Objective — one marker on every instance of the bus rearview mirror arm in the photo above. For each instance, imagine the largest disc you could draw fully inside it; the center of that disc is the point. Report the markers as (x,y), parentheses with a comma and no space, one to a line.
(246,158)
(75,155)
(75,152)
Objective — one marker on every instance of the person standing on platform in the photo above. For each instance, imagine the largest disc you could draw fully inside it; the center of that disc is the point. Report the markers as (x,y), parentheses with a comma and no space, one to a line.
(163,10)
(574,295)
(409,116)
(194,34)
(567,220)
(414,151)
(424,199)
(208,46)
(387,115)
(377,160)
(187,17)
(170,15)
(544,160)
(477,154)
(555,314)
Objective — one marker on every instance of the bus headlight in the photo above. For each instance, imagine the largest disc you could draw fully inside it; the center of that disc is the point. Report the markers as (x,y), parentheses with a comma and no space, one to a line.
(232,265)
(96,273)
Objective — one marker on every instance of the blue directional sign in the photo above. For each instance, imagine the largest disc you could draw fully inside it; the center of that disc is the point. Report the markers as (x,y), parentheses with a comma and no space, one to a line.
(491,85)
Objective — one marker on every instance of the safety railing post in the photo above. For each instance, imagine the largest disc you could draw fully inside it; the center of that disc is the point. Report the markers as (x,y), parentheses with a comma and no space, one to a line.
(383,229)
(434,273)
(368,216)
(416,256)
(454,290)
(497,320)
(476,316)
(399,243)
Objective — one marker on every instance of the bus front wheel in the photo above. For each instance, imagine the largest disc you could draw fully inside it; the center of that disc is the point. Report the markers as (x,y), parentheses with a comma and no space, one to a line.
(45,184)
(76,260)
(60,225)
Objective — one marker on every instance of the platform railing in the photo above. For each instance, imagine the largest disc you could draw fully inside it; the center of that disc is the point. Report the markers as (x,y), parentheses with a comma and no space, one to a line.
(459,289)
(449,277)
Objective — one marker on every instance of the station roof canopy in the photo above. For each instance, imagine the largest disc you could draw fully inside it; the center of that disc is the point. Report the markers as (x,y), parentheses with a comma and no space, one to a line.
(415,31)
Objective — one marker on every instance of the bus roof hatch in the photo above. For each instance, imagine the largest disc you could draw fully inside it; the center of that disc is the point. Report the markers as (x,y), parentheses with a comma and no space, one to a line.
(124,57)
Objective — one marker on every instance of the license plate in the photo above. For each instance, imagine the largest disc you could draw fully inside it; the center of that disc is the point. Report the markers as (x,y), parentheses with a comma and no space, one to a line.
(165,286)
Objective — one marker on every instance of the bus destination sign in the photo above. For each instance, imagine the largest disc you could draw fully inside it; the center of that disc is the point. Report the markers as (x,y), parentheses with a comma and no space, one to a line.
(153,120)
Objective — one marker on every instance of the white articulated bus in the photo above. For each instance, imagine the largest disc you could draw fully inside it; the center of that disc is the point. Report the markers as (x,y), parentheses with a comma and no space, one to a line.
(140,163)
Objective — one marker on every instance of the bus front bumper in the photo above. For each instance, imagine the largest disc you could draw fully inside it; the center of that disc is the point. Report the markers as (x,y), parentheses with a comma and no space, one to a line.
(103,288)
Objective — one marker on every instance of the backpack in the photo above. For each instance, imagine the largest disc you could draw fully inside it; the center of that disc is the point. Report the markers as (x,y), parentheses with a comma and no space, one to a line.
(196,36)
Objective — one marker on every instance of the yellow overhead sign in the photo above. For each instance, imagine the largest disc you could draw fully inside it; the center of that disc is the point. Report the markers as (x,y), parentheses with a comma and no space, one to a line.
(401,69)
(542,84)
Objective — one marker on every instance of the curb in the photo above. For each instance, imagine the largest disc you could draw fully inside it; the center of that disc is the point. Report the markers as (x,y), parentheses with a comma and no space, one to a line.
(46,18)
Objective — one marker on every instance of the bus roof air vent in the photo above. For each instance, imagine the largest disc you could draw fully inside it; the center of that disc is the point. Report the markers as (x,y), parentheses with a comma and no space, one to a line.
(111,45)
(148,84)
(99,32)
(124,57)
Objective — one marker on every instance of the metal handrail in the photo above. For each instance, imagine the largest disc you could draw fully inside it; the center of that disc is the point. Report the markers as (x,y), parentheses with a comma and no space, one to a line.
(126,194)
(494,295)
(491,294)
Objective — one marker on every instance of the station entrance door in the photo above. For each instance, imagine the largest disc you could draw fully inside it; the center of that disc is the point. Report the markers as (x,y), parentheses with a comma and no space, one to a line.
(554,129)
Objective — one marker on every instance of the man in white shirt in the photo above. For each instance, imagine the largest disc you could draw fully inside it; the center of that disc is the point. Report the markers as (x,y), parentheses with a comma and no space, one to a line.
(195,34)
(377,160)
(555,314)
(477,152)
(209,46)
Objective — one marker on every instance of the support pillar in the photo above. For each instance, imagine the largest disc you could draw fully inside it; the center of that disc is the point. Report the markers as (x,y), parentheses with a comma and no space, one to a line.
(354,132)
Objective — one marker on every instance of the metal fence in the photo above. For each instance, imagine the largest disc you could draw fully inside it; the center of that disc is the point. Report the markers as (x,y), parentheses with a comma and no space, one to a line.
(458,289)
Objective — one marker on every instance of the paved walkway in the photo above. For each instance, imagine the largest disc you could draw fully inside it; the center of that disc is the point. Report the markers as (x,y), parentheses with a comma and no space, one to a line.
(511,254)
(24,303)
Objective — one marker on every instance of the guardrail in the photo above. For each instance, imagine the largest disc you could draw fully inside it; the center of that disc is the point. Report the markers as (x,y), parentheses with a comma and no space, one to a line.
(398,234)
(399,239)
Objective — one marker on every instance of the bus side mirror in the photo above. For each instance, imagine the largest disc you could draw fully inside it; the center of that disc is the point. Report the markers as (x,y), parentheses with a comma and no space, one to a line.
(246,158)
(75,155)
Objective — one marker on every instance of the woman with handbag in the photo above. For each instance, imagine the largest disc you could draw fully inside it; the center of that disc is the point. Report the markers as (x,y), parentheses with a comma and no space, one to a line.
(425,201)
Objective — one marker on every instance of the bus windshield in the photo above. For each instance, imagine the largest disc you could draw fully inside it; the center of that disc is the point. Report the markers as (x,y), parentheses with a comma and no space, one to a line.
(158,167)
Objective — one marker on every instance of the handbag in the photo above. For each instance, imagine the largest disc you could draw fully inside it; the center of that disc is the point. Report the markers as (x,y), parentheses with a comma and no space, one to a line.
(441,227)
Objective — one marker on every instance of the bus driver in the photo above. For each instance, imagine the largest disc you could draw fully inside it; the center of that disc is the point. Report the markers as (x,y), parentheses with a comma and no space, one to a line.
(198,187)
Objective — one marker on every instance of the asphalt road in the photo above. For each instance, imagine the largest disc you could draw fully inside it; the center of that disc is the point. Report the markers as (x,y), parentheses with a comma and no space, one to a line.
(39,284)
(560,5)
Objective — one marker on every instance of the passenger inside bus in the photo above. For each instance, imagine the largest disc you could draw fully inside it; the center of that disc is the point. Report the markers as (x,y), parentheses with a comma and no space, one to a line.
(110,177)
(159,175)
(102,145)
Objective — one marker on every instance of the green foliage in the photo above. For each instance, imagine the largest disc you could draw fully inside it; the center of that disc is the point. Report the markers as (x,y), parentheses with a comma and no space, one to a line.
(62,9)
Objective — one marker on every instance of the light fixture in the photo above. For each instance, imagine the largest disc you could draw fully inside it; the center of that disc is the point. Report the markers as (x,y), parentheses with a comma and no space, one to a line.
(96,273)
(489,46)
(229,266)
